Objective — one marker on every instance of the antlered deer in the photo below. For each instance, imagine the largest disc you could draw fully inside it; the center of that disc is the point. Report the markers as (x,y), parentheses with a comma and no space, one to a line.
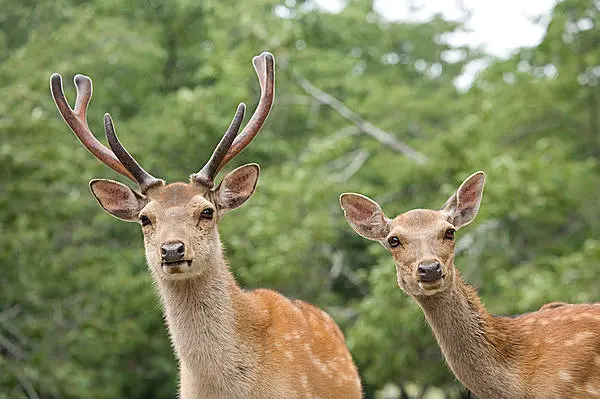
(552,353)
(230,343)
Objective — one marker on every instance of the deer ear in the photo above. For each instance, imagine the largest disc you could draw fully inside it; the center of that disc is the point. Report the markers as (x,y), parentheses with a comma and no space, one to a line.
(117,199)
(462,207)
(365,216)
(237,187)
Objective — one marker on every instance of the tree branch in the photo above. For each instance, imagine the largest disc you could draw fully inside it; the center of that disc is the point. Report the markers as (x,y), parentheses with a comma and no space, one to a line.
(359,157)
(365,126)
(24,382)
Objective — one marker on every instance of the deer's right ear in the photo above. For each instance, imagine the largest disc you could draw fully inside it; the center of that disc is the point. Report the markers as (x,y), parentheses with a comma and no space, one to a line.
(117,199)
(365,216)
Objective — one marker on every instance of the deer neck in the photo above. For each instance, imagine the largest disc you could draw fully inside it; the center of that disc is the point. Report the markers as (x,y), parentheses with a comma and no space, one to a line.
(478,347)
(202,322)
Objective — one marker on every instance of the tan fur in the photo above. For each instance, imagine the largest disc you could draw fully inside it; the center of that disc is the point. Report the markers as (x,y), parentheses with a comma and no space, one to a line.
(549,354)
(553,353)
(232,343)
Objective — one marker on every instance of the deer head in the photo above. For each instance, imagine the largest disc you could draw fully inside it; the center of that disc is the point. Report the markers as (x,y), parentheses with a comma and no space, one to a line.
(179,220)
(421,241)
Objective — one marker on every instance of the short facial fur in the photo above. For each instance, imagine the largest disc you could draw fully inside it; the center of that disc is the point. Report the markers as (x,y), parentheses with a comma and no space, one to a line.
(420,237)
(179,213)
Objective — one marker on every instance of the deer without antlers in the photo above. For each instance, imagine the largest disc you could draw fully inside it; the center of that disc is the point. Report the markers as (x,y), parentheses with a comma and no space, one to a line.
(552,353)
(230,343)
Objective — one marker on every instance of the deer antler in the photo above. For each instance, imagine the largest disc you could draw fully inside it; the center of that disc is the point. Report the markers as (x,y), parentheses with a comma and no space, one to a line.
(230,145)
(144,179)
(122,162)
(207,174)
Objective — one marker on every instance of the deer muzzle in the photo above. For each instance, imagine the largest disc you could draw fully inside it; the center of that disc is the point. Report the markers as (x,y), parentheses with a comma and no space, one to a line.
(430,272)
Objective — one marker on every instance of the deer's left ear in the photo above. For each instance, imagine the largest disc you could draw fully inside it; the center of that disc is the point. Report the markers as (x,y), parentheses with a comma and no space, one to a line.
(462,207)
(237,187)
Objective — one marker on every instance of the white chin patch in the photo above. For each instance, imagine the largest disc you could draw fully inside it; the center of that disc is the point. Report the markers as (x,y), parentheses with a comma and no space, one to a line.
(176,268)
(431,288)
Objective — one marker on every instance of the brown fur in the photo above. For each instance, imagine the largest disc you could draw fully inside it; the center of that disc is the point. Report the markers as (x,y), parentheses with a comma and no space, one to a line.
(233,343)
(553,353)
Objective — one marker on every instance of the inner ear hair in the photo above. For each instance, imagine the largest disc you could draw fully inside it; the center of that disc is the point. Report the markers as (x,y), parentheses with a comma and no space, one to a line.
(118,199)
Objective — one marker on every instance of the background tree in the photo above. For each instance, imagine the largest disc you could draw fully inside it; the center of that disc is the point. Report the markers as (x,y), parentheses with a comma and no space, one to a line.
(363,104)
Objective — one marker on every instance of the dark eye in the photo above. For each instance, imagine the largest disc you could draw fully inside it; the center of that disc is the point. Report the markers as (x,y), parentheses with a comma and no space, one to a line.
(145,220)
(393,241)
(207,213)
(449,235)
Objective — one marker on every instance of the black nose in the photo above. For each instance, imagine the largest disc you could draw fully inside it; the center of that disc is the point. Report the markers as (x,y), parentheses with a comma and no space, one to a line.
(429,272)
(172,251)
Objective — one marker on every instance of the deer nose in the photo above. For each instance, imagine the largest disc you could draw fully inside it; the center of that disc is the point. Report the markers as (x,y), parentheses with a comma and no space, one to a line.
(172,251)
(430,272)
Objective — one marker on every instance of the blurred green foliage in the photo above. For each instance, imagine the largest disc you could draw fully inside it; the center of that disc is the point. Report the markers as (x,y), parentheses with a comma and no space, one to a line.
(78,313)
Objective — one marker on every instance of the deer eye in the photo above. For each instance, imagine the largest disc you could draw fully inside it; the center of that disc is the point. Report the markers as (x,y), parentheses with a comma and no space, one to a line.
(145,220)
(449,235)
(207,213)
(393,241)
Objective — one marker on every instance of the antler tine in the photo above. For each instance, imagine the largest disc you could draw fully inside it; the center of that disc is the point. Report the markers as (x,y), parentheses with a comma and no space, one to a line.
(84,95)
(77,121)
(207,174)
(264,65)
(141,177)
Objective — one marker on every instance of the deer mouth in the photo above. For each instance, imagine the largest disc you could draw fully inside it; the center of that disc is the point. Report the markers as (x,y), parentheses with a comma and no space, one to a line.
(430,286)
(176,267)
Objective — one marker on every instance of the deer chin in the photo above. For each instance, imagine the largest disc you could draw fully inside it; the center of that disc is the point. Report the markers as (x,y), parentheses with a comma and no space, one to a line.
(177,269)
(432,288)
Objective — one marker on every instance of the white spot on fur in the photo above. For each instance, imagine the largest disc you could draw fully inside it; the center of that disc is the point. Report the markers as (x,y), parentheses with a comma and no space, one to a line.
(579,337)
(592,390)
(564,376)
(304,381)
(289,355)
(321,366)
